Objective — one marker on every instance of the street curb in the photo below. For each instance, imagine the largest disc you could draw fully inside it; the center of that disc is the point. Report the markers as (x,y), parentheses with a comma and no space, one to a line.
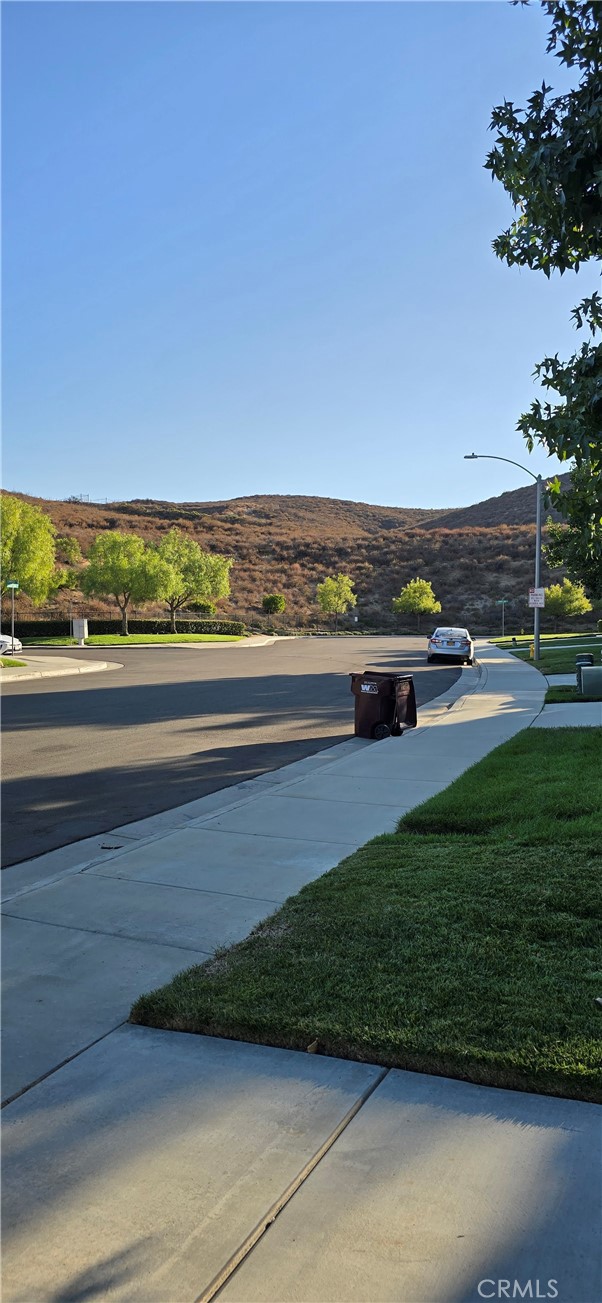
(94,667)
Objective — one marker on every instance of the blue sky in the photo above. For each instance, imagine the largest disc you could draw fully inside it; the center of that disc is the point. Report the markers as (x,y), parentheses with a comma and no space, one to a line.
(247,249)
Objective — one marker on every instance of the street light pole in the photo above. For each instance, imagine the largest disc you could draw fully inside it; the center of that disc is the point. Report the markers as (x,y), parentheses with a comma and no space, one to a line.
(478,456)
(537,610)
(502,602)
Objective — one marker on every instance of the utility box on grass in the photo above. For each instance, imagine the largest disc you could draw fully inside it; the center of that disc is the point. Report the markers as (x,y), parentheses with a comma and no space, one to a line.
(589,681)
(80,631)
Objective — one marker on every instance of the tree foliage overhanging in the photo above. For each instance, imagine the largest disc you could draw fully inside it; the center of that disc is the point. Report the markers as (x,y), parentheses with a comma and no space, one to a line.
(548,157)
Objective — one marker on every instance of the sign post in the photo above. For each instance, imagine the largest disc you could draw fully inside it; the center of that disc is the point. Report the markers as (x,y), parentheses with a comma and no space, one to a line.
(502,602)
(12,584)
(537,599)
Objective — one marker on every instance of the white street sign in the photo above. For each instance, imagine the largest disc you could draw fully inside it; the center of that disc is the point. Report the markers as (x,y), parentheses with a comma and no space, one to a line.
(537,597)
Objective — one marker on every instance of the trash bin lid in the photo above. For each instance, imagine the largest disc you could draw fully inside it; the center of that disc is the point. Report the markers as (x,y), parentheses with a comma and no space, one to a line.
(374,681)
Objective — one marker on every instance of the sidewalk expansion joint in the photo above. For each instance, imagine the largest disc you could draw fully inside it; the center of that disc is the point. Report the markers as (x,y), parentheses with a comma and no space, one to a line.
(282,837)
(181,886)
(117,936)
(70,1057)
(262,1226)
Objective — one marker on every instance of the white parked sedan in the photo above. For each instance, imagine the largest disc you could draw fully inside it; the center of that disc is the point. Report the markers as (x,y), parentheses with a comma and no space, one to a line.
(451,642)
(8,644)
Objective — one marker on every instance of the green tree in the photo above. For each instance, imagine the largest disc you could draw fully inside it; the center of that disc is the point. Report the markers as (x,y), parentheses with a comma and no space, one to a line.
(273,603)
(28,548)
(335,595)
(68,550)
(564,547)
(565,600)
(69,578)
(191,575)
(417,598)
(547,157)
(123,567)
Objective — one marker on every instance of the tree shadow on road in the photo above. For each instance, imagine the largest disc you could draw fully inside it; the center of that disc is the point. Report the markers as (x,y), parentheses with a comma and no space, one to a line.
(209,734)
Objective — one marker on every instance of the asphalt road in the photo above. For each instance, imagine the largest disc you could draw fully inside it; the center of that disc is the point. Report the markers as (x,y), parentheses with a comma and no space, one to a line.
(85,754)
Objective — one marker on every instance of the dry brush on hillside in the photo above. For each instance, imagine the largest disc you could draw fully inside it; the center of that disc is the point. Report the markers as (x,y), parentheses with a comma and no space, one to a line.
(473,556)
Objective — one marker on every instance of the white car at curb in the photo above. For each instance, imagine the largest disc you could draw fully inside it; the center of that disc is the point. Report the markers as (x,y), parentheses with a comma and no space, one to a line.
(9,645)
(451,642)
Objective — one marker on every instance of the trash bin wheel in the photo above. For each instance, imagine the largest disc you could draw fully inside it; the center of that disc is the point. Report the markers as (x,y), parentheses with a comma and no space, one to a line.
(380,731)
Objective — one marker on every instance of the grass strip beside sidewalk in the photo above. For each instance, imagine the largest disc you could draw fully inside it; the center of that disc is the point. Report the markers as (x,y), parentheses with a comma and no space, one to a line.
(558,652)
(463,945)
(565,695)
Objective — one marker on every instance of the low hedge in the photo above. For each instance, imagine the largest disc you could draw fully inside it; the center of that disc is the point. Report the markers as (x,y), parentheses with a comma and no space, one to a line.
(61,628)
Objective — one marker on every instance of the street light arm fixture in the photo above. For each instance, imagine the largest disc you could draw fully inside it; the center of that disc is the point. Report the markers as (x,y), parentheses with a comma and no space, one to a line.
(489,456)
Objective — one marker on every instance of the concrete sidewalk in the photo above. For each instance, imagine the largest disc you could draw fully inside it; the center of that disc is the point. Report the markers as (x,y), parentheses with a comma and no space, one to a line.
(149,1166)
(152,1165)
(574,714)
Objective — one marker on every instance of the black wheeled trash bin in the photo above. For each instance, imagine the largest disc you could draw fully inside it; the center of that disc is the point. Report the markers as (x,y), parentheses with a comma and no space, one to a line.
(385,704)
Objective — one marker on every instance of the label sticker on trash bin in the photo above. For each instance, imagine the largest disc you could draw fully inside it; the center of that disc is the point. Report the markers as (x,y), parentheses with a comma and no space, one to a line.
(368,687)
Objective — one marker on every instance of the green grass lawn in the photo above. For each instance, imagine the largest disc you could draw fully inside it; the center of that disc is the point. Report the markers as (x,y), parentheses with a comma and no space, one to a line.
(9,662)
(565,695)
(527,638)
(558,651)
(466,944)
(116,640)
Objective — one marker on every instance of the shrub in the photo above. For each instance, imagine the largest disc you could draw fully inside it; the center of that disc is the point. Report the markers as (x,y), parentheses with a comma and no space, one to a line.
(41,628)
(273,602)
(61,628)
(200,608)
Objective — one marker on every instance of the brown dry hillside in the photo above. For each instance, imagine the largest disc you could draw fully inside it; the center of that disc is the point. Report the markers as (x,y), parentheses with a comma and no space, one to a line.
(514,508)
(472,555)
